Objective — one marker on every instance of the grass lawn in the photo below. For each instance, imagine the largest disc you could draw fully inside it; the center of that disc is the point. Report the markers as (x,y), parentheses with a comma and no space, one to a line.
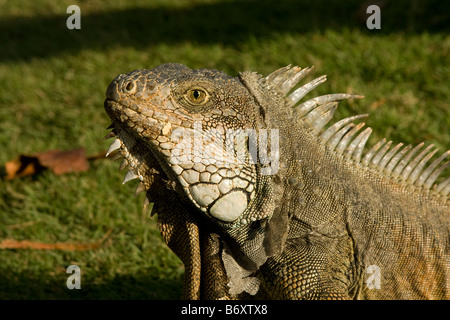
(52,87)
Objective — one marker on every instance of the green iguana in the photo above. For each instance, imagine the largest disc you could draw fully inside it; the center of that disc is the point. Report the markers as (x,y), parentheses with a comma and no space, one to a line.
(260,199)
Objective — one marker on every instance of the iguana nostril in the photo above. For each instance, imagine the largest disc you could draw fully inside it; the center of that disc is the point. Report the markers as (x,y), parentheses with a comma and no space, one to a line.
(129,87)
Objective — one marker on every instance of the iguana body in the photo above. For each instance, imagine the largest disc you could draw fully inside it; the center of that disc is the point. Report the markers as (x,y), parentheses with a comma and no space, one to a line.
(296,211)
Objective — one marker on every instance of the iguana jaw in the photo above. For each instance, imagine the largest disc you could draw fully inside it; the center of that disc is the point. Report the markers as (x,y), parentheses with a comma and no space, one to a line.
(142,161)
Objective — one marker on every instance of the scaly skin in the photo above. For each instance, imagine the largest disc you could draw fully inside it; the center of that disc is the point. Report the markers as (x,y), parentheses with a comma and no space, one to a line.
(313,221)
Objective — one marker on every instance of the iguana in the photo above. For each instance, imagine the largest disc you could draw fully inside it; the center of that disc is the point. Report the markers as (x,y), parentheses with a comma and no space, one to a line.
(259,198)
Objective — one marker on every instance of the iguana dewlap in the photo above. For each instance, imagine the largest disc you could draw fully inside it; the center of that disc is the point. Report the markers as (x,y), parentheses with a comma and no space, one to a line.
(259,197)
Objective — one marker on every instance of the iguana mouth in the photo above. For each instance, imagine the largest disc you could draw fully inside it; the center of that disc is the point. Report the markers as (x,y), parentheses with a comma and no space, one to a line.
(143,161)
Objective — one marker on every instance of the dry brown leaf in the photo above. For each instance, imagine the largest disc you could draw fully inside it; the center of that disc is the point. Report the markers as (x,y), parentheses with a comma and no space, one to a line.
(56,160)
(21,167)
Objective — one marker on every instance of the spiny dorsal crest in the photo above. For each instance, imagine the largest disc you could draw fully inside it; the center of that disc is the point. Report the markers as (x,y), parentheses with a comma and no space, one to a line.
(341,137)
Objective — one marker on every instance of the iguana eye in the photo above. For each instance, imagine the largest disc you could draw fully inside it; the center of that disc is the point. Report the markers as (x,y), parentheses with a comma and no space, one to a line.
(197,96)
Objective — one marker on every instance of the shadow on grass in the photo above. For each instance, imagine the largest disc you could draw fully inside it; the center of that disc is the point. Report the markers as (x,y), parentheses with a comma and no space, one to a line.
(123,287)
(228,22)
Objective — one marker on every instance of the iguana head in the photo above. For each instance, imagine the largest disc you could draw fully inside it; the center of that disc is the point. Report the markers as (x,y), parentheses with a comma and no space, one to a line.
(195,127)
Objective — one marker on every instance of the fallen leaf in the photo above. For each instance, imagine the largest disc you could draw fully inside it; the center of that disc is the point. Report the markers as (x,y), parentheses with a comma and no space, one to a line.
(21,167)
(58,161)
(64,161)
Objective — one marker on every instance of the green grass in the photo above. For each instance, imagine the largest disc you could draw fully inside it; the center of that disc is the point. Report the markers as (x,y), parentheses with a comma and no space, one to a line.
(52,84)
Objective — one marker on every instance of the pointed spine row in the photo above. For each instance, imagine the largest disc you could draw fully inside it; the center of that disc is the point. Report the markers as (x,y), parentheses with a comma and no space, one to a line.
(397,162)
(115,146)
